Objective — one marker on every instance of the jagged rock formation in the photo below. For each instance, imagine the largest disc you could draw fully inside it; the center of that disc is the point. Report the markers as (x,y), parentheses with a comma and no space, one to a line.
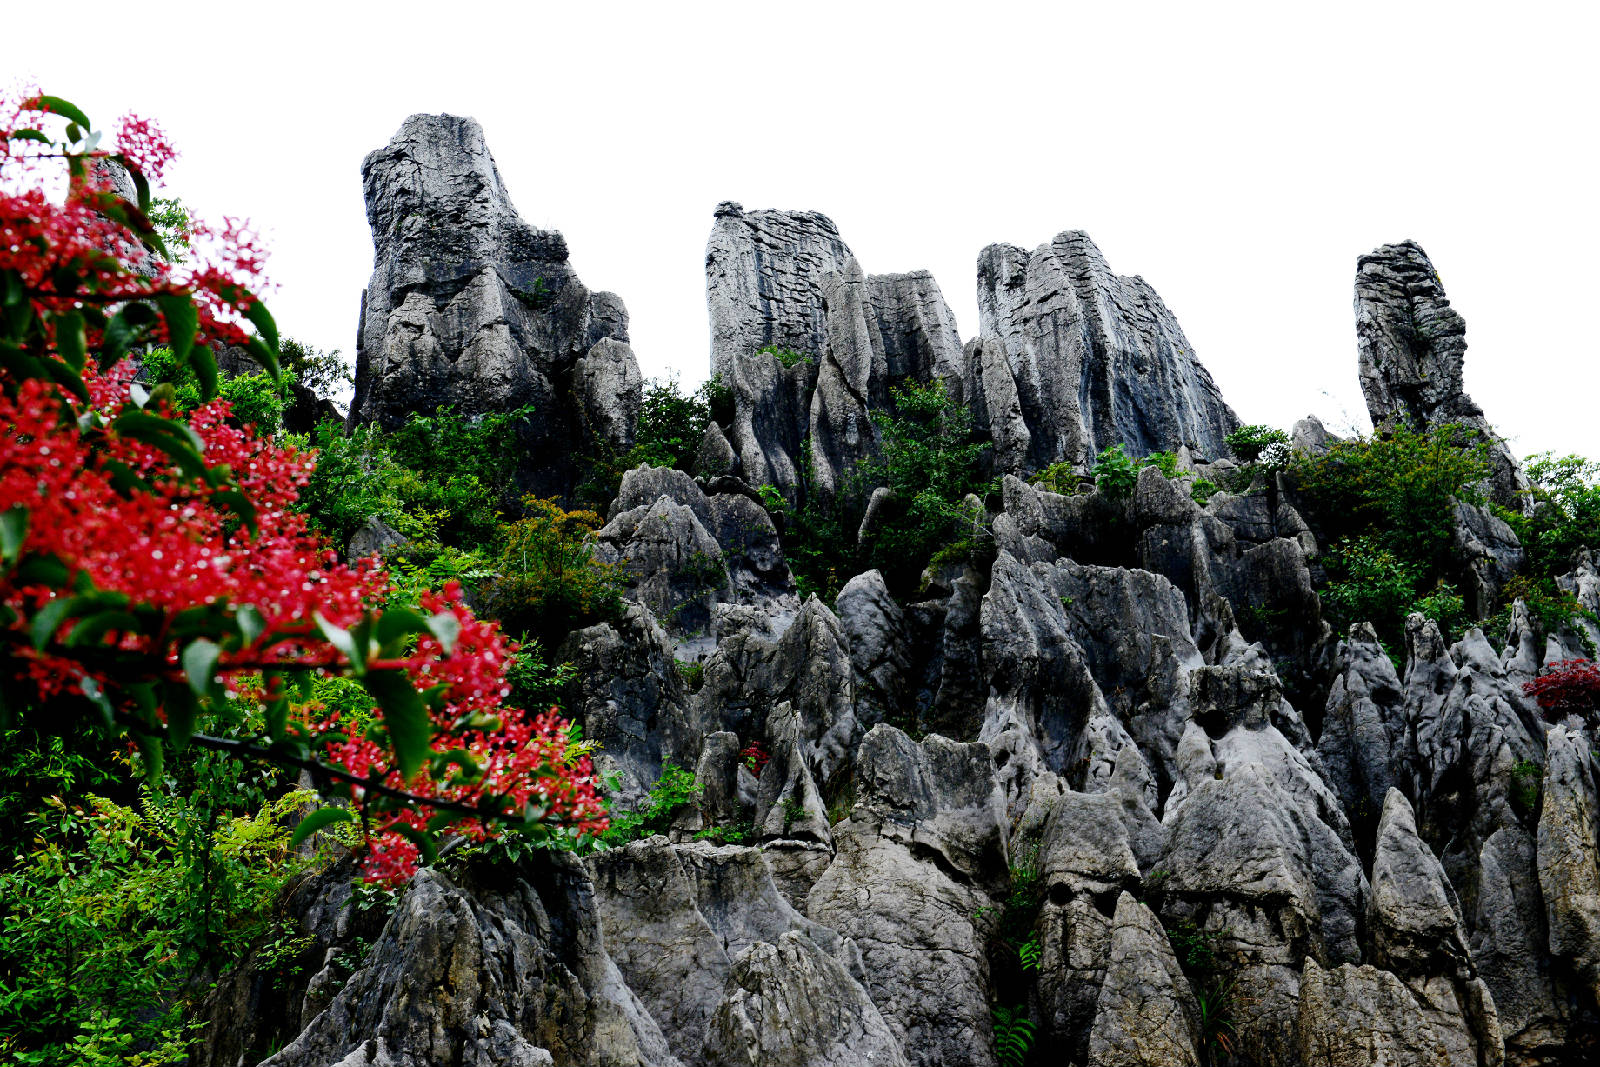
(1412,345)
(1070,359)
(470,306)
(1122,782)
(1093,359)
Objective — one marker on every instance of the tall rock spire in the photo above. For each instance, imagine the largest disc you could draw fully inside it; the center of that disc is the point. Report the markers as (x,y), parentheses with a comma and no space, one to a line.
(1413,346)
(471,306)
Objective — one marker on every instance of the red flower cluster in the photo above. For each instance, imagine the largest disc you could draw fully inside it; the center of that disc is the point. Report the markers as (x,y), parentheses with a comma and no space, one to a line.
(1571,687)
(145,521)
(755,757)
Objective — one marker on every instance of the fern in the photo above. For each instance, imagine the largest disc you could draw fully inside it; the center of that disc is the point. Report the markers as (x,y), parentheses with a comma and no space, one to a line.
(1013,1035)
(1028,953)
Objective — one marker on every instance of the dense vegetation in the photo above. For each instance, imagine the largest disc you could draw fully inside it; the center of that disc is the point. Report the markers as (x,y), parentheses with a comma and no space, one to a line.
(180,643)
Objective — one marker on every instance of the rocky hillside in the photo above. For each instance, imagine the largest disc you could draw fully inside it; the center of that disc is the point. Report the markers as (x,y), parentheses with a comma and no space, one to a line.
(1108,792)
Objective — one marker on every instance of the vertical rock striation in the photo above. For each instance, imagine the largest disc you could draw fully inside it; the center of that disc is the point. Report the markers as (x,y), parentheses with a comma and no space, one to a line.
(470,306)
(1094,358)
(1413,345)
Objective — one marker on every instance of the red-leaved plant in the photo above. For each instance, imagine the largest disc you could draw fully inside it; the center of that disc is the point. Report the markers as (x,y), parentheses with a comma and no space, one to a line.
(1570,687)
(155,580)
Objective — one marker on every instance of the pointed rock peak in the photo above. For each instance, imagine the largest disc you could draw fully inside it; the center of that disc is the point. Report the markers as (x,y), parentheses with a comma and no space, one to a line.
(1413,348)
(1096,358)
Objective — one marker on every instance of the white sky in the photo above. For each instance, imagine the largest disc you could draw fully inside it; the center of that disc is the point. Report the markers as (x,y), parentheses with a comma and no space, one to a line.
(1239,157)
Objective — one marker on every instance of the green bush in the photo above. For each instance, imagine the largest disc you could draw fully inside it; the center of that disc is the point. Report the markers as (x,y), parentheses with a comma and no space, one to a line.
(1563,515)
(1387,506)
(1115,473)
(787,356)
(113,908)
(1248,442)
(442,478)
(671,425)
(675,790)
(549,579)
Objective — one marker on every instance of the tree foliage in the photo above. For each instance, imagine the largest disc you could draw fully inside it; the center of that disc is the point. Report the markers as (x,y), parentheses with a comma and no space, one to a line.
(156,579)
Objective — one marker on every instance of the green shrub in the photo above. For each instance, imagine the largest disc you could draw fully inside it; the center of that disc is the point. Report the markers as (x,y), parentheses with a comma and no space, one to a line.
(787,356)
(113,908)
(671,425)
(1115,473)
(675,790)
(1203,490)
(931,460)
(549,577)
(438,479)
(1387,506)
(1248,442)
(1399,490)
(1013,1034)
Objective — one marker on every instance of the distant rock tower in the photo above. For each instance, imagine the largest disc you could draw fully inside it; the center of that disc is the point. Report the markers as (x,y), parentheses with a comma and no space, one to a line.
(1413,345)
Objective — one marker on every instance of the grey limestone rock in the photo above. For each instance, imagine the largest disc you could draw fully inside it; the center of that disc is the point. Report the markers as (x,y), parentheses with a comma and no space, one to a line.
(790,1004)
(1413,346)
(715,457)
(1569,856)
(631,699)
(372,538)
(764,279)
(1354,1016)
(1145,1012)
(927,829)
(530,983)
(1096,358)
(1366,744)
(878,638)
(471,306)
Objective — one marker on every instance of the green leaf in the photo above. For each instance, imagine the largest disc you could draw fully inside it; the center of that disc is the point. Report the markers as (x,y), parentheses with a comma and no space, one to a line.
(54,105)
(42,568)
(446,628)
(235,501)
(423,841)
(406,716)
(154,758)
(124,330)
(318,820)
(251,623)
(268,358)
(262,320)
(70,341)
(395,625)
(182,712)
(344,641)
(13,531)
(28,135)
(141,186)
(200,665)
(183,323)
(204,362)
(48,620)
(93,628)
(176,439)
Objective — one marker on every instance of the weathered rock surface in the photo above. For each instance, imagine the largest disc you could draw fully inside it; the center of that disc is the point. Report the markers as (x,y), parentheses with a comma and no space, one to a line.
(1112,782)
(470,306)
(520,952)
(1094,358)
(1413,345)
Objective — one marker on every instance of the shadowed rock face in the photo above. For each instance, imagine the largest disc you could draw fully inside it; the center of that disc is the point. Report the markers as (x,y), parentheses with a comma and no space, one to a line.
(470,306)
(1095,358)
(1413,347)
